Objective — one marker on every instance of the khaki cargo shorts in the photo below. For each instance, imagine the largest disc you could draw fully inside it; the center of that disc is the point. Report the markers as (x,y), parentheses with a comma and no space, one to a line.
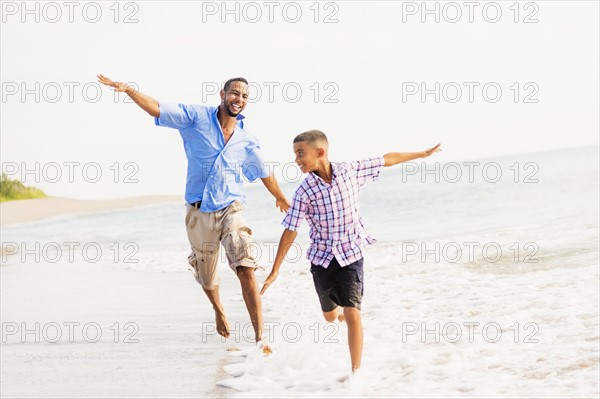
(206,231)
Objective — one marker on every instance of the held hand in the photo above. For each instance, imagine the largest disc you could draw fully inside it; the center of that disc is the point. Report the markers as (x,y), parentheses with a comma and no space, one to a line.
(272,277)
(283,205)
(431,151)
(118,86)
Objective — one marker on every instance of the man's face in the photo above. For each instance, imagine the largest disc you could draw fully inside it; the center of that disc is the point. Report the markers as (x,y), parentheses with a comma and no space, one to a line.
(235,98)
(307,156)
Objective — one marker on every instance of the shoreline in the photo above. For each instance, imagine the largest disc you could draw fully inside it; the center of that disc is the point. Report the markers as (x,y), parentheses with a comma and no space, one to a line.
(21,211)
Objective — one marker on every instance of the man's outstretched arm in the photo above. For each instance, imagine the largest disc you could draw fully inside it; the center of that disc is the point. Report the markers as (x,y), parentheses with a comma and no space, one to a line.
(145,102)
(280,201)
(394,158)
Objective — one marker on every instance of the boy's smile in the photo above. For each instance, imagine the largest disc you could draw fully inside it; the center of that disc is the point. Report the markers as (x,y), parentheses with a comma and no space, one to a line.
(307,156)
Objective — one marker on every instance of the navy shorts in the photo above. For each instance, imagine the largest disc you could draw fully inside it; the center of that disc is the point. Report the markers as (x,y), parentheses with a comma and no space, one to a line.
(339,285)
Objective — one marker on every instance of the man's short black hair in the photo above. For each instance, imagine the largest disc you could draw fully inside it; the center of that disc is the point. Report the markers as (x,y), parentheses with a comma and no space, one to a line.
(230,81)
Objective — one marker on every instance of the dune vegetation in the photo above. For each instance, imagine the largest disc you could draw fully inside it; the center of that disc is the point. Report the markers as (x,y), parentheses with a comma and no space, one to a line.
(15,190)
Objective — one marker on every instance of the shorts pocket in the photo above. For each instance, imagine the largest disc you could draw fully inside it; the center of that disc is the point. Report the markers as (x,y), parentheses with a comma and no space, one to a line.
(189,215)
(237,245)
(236,206)
(317,279)
(360,281)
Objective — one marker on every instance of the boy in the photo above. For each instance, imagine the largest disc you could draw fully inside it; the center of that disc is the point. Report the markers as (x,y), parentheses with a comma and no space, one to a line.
(329,198)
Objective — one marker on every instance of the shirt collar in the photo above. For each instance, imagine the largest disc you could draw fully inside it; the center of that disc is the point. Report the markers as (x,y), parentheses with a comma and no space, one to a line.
(334,173)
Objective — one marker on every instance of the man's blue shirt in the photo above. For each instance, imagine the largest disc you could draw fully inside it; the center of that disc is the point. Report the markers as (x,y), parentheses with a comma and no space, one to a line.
(215,169)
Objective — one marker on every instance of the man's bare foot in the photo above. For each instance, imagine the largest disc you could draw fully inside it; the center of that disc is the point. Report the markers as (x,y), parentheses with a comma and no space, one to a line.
(222,325)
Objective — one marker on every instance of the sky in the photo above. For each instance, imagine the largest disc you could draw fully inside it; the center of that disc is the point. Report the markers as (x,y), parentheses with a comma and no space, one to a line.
(485,79)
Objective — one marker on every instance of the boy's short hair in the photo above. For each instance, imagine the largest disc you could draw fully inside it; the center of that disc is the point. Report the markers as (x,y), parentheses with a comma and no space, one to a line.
(311,137)
(230,81)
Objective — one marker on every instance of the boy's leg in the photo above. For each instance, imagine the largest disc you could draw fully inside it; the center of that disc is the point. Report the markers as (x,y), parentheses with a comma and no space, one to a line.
(343,285)
(324,281)
(335,314)
(325,285)
(349,293)
(332,315)
(355,336)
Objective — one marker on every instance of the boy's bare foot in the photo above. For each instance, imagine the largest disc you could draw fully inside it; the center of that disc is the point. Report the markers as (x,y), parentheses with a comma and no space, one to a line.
(222,325)
(265,348)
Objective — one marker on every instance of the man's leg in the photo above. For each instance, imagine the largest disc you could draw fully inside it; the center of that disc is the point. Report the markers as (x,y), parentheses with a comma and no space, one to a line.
(251,296)
(355,336)
(204,240)
(220,319)
(236,238)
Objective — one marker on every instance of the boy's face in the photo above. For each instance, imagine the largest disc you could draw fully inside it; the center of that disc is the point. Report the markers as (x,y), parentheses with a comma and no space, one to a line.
(308,156)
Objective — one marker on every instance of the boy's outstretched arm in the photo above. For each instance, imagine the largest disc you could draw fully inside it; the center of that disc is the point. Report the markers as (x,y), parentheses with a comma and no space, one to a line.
(280,201)
(286,241)
(394,158)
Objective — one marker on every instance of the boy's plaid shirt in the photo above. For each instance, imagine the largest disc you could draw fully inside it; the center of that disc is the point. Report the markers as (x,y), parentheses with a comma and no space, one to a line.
(332,212)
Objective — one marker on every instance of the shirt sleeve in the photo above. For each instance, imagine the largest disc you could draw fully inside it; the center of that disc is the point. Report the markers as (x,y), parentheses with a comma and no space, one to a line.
(368,170)
(296,213)
(176,116)
(254,166)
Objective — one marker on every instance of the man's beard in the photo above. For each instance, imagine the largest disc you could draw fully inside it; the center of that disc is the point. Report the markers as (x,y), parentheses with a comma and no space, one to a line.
(231,114)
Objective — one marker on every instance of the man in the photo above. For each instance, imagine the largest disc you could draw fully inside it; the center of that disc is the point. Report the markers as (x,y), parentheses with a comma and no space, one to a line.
(219,150)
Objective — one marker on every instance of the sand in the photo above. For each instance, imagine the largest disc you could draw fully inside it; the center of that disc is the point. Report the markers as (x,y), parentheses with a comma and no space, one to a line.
(161,352)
